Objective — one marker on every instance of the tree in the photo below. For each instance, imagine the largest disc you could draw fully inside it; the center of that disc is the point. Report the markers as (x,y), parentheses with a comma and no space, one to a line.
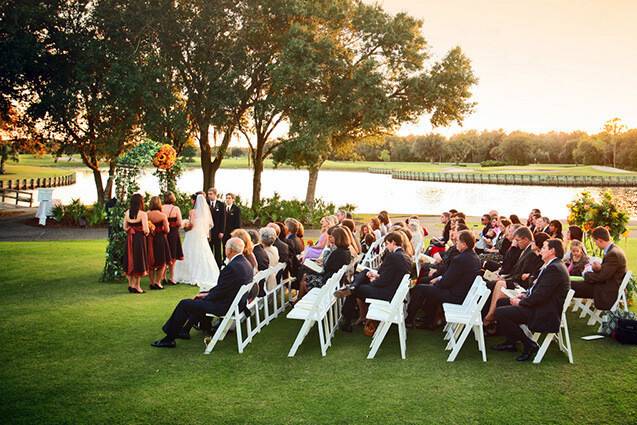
(429,148)
(15,138)
(359,72)
(83,90)
(613,128)
(589,151)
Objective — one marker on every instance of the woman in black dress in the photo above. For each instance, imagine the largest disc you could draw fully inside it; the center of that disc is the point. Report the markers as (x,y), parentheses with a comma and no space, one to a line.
(136,254)
(339,257)
(174,241)
(159,243)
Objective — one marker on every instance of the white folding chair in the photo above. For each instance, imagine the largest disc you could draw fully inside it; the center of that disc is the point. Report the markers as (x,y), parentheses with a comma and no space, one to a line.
(317,307)
(464,320)
(236,317)
(562,336)
(373,257)
(465,304)
(417,257)
(274,299)
(389,313)
(595,315)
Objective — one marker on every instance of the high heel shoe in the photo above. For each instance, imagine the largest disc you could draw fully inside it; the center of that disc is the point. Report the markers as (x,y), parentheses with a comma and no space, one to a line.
(130,289)
(153,286)
(136,291)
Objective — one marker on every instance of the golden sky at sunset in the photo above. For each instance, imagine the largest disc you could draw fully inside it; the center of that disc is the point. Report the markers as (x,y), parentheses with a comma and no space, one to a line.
(543,65)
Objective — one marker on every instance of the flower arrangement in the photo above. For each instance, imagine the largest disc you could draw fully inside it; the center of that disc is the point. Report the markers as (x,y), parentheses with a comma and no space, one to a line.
(165,158)
(588,213)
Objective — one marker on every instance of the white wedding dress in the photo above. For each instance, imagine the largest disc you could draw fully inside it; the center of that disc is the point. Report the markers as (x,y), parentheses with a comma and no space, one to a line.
(198,266)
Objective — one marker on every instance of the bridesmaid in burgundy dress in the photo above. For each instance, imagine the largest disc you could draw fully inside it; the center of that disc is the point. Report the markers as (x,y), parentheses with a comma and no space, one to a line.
(159,243)
(136,254)
(174,241)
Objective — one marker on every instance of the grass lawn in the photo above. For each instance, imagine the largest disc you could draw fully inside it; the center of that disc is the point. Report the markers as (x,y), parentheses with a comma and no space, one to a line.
(13,172)
(77,351)
(535,169)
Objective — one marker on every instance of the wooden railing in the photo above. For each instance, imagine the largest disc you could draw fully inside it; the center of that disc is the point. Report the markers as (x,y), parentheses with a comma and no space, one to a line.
(24,184)
(17,195)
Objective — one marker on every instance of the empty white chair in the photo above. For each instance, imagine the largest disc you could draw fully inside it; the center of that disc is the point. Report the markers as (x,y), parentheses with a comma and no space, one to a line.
(461,307)
(237,317)
(389,313)
(465,319)
(562,336)
(316,307)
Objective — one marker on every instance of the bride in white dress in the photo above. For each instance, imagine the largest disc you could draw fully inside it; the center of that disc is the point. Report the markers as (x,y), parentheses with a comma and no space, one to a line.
(198,266)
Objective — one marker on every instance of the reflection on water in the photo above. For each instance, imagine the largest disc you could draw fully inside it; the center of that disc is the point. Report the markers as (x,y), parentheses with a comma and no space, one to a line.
(372,192)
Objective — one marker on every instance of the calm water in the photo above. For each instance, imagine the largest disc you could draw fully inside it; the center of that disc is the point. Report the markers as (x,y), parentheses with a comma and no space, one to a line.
(370,192)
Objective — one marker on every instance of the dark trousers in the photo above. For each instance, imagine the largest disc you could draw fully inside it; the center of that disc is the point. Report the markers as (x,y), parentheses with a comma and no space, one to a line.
(583,290)
(364,289)
(188,312)
(216,246)
(509,320)
(429,298)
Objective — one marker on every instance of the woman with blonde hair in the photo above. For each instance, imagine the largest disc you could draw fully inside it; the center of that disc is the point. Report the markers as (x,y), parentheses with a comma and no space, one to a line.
(247,250)
(313,252)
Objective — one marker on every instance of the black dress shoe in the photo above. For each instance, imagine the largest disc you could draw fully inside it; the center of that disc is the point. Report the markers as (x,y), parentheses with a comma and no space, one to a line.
(183,335)
(153,286)
(528,354)
(130,290)
(505,347)
(160,343)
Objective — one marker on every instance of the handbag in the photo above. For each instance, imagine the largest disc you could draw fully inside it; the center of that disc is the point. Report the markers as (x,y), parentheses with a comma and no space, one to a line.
(626,331)
(370,327)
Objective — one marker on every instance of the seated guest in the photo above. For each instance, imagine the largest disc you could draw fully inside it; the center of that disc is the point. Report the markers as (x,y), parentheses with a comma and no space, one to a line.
(533,215)
(602,284)
(314,251)
(247,247)
(512,254)
(451,287)
(374,224)
(349,227)
(522,273)
(367,238)
(573,233)
(268,237)
(555,229)
(578,259)
(501,243)
(515,219)
(381,284)
(236,273)
(443,259)
(281,247)
(540,308)
(339,257)
(263,261)
(385,223)
(445,219)
(292,239)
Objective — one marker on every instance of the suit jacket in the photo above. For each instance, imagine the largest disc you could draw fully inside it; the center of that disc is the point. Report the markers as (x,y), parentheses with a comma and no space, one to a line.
(461,273)
(233,219)
(391,271)
(547,297)
(263,262)
(447,258)
(238,272)
(337,259)
(510,259)
(218,211)
(606,281)
(284,250)
(295,244)
(528,262)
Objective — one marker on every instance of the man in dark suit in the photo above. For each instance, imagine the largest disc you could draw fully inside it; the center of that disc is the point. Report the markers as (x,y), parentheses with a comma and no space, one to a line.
(233,216)
(381,284)
(451,287)
(238,272)
(602,284)
(528,263)
(540,307)
(218,211)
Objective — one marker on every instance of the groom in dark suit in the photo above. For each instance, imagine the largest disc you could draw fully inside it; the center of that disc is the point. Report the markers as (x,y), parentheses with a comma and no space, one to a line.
(238,272)
(218,211)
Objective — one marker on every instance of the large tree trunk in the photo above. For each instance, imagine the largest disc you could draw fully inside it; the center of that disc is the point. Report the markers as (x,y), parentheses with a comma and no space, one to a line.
(108,191)
(311,185)
(257,161)
(206,163)
(99,186)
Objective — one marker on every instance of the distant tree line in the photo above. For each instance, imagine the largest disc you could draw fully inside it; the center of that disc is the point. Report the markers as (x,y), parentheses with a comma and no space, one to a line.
(609,147)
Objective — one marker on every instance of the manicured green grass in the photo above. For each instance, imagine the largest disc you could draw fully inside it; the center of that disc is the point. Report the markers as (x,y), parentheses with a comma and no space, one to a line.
(77,351)
(14,172)
(233,163)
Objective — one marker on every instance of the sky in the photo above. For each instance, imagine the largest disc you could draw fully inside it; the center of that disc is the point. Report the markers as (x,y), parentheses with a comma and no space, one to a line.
(543,65)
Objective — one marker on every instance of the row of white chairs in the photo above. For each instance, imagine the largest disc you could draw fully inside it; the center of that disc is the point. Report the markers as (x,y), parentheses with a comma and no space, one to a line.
(262,309)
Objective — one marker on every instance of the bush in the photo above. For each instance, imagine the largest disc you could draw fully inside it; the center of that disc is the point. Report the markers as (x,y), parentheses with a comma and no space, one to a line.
(492,163)
(75,211)
(58,212)
(96,215)
(277,209)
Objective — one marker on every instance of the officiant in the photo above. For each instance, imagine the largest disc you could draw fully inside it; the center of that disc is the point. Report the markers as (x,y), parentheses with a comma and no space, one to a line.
(218,211)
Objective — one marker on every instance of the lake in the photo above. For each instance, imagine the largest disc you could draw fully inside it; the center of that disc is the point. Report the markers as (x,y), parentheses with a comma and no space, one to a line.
(370,192)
